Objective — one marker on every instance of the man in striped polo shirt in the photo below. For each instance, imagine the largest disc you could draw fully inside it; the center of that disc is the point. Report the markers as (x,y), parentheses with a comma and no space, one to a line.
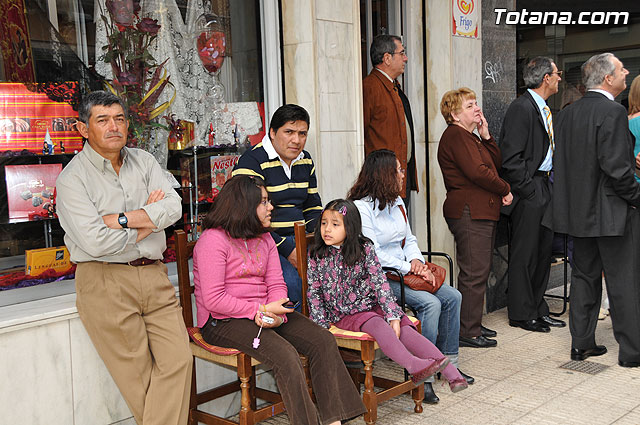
(290,176)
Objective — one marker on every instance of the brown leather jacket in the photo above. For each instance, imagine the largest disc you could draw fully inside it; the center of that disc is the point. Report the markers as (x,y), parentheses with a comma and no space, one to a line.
(384,119)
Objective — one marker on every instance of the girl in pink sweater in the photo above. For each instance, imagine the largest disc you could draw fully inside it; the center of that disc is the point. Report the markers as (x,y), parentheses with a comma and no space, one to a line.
(239,291)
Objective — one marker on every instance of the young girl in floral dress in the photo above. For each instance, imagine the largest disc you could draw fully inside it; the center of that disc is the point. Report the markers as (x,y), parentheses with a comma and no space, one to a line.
(348,288)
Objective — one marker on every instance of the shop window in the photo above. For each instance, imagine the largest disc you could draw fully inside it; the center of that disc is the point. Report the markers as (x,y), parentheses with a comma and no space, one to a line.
(53,51)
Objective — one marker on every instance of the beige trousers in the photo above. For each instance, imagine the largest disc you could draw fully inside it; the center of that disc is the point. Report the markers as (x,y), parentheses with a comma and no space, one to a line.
(135,322)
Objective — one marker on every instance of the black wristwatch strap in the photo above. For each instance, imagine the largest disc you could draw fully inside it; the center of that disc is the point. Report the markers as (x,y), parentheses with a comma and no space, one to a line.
(122,220)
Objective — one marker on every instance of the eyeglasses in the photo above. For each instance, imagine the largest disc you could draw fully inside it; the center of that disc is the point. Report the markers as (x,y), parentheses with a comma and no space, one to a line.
(266,202)
(401,53)
(559,73)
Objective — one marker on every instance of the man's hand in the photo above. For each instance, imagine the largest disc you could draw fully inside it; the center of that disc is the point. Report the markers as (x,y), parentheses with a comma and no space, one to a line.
(155,196)
(395,325)
(638,161)
(143,233)
(293,259)
(507,199)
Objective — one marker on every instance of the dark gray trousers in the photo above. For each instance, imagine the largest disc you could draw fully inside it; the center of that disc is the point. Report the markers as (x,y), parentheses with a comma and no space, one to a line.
(619,258)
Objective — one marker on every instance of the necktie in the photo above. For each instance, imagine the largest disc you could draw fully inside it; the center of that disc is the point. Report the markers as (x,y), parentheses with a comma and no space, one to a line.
(549,119)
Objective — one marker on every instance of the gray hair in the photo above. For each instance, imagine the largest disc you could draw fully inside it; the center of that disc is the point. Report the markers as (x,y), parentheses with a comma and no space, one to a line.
(98,98)
(534,72)
(383,43)
(596,68)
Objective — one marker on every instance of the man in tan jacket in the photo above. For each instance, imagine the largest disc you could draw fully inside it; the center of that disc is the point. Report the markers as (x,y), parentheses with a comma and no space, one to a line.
(387,114)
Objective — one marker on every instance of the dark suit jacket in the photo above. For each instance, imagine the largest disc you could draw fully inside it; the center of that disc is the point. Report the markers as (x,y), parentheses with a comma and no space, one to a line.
(524,143)
(384,122)
(469,168)
(594,181)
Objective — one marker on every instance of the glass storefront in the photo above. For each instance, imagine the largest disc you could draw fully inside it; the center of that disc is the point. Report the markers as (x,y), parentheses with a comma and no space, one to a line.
(54,51)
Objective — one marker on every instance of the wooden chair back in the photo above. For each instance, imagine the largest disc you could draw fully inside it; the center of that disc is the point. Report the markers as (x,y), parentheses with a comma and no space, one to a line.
(303,242)
(184,251)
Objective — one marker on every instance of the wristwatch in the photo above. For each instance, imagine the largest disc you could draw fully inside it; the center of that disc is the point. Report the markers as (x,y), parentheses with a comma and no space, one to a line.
(122,220)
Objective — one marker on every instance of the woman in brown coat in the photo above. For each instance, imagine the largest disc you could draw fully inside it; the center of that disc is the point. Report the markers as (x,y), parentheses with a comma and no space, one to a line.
(475,194)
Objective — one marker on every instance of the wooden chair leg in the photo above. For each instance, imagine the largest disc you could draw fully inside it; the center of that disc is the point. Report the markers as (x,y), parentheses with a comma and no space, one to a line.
(193,400)
(245,372)
(418,395)
(252,388)
(369,396)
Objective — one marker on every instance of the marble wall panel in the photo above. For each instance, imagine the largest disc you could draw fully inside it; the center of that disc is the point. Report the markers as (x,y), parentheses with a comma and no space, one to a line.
(35,371)
(336,113)
(296,17)
(96,398)
(441,237)
(439,63)
(467,65)
(300,86)
(338,164)
(335,10)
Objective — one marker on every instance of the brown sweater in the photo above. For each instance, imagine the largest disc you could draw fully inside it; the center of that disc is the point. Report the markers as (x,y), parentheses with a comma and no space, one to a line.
(469,166)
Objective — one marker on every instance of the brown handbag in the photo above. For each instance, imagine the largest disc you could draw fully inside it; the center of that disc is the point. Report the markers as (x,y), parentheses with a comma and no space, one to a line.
(419,283)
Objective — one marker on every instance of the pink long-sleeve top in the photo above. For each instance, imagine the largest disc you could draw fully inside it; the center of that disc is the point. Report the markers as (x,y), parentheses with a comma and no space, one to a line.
(232,277)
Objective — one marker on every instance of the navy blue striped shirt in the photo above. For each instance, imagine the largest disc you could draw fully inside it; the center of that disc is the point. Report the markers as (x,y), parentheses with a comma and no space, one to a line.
(294,199)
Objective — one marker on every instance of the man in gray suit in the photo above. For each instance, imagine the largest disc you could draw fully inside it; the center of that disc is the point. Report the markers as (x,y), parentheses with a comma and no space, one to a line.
(595,200)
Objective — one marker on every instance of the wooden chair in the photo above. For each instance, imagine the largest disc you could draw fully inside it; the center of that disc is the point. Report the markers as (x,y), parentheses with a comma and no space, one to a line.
(243,363)
(361,342)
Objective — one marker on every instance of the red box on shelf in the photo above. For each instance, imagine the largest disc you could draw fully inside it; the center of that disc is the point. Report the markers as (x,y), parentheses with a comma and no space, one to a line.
(30,188)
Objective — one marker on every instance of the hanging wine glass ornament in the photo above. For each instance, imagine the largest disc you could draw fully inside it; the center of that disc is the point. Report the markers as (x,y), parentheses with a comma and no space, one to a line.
(210,42)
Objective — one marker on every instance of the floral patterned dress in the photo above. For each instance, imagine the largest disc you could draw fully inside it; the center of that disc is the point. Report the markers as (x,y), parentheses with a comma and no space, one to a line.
(348,296)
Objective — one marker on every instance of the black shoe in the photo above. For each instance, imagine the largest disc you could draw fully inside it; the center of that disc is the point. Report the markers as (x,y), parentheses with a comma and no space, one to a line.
(628,364)
(477,342)
(430,396)
(579,354)
(489,333)
(470,380)
(549,321)
(530,325)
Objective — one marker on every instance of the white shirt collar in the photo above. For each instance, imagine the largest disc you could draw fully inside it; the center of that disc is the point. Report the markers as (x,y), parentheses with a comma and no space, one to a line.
(272,154)
(385,74)
(268,147)
(604,92)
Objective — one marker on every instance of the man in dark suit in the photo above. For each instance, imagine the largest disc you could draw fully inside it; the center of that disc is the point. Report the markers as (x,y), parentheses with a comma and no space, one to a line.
(526,142)
(595,200)
(388,123)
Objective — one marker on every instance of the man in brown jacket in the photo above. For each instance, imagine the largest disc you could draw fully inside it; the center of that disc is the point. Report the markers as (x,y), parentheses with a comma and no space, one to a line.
(387,114)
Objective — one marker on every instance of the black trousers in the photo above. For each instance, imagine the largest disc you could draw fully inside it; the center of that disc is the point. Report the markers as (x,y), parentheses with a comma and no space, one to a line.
(619,258)
(333,388)
(530,255)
